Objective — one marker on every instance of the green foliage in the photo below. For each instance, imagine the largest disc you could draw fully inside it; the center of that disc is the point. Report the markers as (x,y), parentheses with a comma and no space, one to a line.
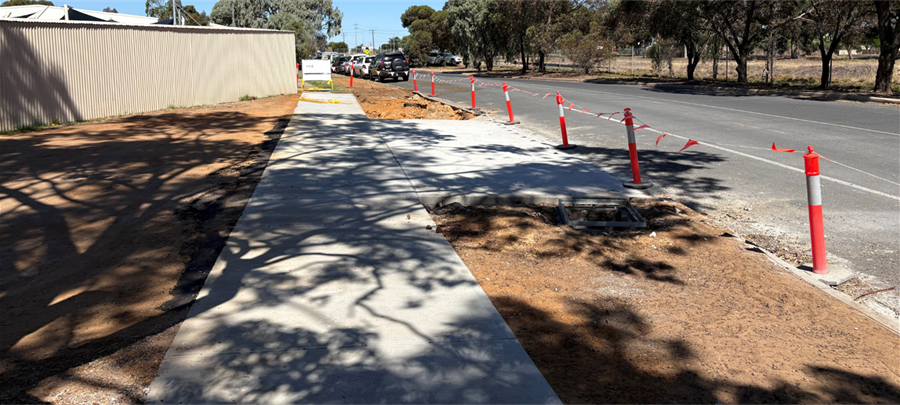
(338,46)
(247,97)
(429,30)
(311,20)
(110,10)
(586,50)
(161,9)
(415,13)
(10,3)
(474,32)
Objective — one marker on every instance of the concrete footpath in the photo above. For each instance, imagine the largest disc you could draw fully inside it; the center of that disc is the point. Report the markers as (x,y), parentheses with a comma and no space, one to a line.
(331,289)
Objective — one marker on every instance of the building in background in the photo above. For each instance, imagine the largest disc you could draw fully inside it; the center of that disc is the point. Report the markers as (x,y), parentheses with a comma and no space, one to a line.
(66,13)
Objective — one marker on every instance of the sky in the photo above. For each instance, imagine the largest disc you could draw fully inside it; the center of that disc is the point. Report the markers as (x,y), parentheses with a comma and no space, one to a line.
(382,16)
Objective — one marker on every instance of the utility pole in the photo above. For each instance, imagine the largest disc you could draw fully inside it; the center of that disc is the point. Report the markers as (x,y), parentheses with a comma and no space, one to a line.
(344,34)
(355,38)
(232,13)
(373,39)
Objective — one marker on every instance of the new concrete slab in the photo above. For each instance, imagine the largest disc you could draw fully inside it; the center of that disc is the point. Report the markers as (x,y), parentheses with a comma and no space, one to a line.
(480,161)
(331,290)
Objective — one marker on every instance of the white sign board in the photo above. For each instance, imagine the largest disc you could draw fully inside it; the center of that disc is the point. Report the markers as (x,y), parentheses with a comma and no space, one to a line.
(316,69)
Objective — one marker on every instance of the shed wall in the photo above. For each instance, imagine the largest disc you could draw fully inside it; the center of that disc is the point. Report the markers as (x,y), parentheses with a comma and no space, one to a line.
(80,71)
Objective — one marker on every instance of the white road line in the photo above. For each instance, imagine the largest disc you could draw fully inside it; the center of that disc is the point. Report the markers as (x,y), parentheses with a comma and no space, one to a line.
(750,112)
(848,184)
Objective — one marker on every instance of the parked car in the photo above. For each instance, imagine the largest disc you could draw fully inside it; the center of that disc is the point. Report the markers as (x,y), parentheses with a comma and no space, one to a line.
(362,69)
(356,60)
(390,64)
(451,59)
(337,64)
(434,59)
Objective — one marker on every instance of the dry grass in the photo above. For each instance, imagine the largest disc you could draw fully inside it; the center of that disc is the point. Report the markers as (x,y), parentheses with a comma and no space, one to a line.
(852,75)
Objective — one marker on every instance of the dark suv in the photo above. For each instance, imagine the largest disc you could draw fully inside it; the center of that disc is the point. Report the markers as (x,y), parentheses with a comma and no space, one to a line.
(390,64)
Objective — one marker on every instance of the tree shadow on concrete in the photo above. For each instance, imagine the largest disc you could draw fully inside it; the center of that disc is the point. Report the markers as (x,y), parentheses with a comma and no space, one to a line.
(375,306)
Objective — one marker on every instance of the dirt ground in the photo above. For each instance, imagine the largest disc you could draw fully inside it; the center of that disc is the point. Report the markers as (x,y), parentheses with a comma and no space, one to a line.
(108,231)
(382,101)
(686,315)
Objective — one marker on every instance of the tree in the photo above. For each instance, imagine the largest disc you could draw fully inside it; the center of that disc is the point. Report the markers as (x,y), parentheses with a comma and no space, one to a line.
(739,24)
(586,50)
(888,16)
(542,35)
(10,3)
(475,32)
(518,16)
(311,20)
(161,9)
(110,10)
(830,21)
(694,36)
(338,46)
(195,18)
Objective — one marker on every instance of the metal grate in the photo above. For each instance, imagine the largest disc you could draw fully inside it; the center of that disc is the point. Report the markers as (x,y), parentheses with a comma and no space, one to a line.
(600,213)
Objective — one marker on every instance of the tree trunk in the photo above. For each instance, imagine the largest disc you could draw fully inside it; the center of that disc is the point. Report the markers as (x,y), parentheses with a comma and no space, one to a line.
(885,70)
(889,37)
(715,66)
(693,58)
(826,60)
(522,51)
(741,68)
(541,67)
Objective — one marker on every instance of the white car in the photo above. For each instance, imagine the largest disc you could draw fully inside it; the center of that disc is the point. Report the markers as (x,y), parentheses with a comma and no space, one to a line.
(362,69)
(355,60)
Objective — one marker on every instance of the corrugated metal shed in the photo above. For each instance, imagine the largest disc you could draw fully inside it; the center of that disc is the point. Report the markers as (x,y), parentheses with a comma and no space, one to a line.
(73,71)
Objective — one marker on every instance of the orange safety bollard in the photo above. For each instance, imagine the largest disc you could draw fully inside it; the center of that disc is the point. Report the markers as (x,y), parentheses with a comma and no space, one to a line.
(632,153)
(432,83)
(562,123)
(512,121)
(415,85)
(814,200)
(472,80)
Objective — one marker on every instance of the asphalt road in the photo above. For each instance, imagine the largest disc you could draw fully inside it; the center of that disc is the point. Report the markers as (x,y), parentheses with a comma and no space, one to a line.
(733,173)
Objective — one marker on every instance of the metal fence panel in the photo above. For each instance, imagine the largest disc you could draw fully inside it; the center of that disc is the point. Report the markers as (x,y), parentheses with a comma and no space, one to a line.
(75,71)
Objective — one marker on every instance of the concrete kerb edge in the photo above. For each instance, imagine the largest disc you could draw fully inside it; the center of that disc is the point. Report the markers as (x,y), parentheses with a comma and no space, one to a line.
(475,112)
(813,279)
(822,95)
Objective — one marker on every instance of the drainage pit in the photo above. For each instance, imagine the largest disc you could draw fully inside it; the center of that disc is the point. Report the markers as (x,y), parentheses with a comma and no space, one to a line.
(600,213)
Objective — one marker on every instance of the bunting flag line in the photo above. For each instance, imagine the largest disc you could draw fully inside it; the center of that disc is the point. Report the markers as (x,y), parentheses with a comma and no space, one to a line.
(781,150)
(689,143)
(660,137)
(641,127)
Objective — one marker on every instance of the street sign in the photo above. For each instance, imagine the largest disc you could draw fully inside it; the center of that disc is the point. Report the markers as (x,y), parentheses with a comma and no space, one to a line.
(367,51)
(316,69)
